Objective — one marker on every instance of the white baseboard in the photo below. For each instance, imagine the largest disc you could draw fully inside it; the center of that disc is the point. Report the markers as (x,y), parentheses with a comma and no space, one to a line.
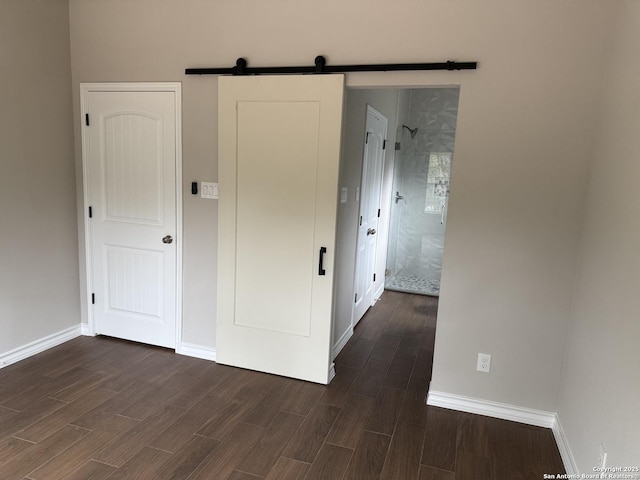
(563,446)
(197,351)
(86,331)
(539,418)
(39,345)
(332,372)
(342,342)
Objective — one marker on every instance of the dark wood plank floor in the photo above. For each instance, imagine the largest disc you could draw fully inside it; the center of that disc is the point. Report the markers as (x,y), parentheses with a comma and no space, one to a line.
(99,408)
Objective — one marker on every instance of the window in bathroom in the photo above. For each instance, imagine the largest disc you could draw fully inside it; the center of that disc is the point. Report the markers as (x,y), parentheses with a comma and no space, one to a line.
(438,178)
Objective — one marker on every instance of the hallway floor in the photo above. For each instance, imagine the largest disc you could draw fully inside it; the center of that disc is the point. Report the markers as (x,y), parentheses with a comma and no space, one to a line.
(100,408)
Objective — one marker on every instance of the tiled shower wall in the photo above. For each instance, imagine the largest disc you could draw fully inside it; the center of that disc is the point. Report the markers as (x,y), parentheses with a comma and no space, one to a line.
(416,240)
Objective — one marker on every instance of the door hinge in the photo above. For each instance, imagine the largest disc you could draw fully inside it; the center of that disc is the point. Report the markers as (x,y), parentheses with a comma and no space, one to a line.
(378,213)
(93,299)
(355,300)
(90,212)
(374,277)
(86,119)
(384,144)
(366,138)
(360,219)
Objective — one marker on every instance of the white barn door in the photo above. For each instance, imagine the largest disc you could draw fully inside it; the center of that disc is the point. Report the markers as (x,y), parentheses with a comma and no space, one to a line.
(130,145)
(279,150)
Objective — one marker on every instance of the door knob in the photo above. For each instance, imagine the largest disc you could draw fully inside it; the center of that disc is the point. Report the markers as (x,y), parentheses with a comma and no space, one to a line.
(167,239)
(371,231)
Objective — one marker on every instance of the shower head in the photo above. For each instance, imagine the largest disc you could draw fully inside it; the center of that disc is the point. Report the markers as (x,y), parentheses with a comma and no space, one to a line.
(412,131)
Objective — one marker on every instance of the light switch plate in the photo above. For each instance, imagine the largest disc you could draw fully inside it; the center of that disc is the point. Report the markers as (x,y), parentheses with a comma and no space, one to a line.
(208,190)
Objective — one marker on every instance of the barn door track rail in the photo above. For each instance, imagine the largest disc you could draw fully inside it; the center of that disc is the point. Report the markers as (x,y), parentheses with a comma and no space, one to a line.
(321,66)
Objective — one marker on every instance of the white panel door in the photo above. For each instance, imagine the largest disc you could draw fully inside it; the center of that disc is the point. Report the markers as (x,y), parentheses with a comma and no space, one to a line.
(279,148)
(130,149)
(370,191)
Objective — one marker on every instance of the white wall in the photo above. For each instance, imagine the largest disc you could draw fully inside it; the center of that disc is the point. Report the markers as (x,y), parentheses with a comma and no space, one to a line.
(599,399)
(525,124)
(38,241)
(523,142)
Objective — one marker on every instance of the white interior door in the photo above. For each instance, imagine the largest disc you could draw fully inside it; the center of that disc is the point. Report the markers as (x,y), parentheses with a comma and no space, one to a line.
(370,191)
(279,149)
(130,147)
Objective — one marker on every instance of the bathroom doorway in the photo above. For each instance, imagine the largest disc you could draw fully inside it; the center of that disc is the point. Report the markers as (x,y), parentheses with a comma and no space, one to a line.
(420,195)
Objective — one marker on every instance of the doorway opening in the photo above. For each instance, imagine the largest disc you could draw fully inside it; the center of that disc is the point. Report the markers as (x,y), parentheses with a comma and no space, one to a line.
(413,195)
(420,193)
(413,206)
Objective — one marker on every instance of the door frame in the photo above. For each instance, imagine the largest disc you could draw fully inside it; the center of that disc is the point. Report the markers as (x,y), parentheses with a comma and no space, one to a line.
(86,256)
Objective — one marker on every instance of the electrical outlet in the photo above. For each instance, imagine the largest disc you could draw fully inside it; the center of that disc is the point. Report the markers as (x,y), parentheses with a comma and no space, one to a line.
(484,363)
(602,460)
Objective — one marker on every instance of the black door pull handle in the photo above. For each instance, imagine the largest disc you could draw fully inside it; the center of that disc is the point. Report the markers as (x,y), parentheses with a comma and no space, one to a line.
(321,270)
